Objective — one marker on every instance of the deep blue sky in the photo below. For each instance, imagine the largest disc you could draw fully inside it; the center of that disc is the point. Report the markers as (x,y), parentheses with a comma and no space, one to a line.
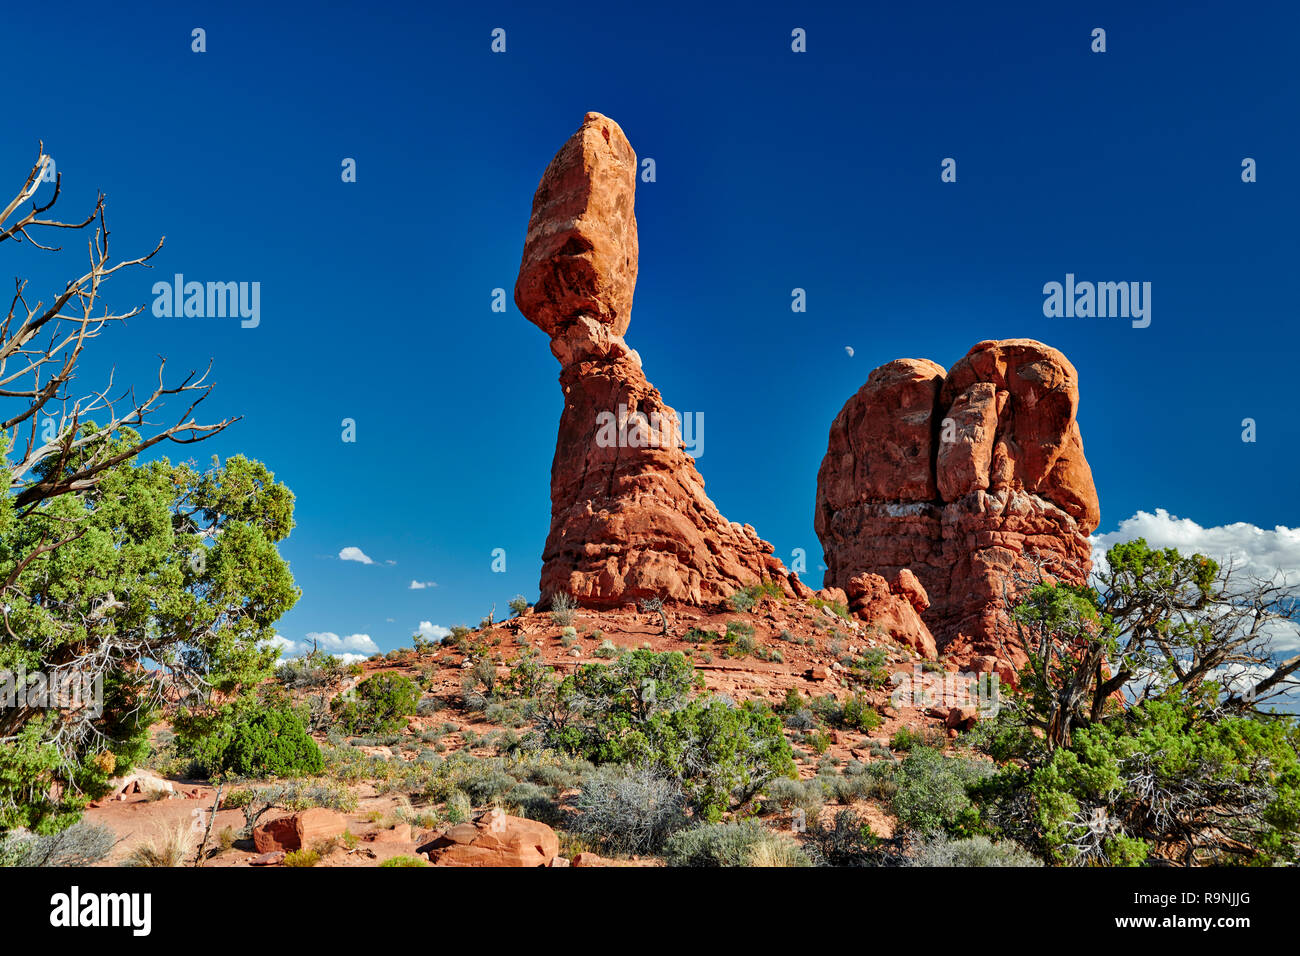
(775,170)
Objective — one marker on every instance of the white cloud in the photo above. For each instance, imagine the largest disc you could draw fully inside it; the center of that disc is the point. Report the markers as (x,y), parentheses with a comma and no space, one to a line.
(351,553)
(329,641)
(421,585)
(433,632)
(1251,550)
(349,649)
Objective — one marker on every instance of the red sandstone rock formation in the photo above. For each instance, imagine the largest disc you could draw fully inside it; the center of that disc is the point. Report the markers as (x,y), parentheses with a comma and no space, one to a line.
(895,608)
(629,516)
(494,839)
(299,830)
(966,478)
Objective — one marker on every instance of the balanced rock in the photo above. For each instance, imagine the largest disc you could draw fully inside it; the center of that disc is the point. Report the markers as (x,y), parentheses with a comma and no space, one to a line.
(629,516)
(968,480)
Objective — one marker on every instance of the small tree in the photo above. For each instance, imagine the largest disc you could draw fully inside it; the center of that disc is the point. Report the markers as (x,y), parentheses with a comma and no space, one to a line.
(1147,694)
(109,563)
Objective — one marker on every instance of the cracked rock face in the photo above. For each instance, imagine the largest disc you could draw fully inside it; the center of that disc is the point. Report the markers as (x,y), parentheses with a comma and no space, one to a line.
(629,516)
(968,478)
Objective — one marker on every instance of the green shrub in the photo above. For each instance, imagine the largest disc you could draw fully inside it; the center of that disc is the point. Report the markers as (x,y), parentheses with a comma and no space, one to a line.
(562,608)
(722,753)
(835,607)
(378,705)
(1159,755)
(747,843)
(528,800)
(404,861)
(746,598)
(248,739)
(806,795)
(933,791)
(636,710)
(458,807)
(941,850)
(859,714)
(818,740)
(518,605)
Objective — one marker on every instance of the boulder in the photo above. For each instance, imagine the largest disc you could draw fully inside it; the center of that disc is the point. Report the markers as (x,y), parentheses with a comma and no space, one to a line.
(893,612)
(494,838)
(299,830)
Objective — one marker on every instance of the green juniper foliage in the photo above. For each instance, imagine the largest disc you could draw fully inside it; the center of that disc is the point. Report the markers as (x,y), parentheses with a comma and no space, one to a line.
(168,573)
(1129,741)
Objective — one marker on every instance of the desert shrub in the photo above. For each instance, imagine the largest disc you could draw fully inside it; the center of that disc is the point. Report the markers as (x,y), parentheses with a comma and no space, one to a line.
(906,739)
(778,851)
(629,810)
(859,714)
(488,784)
(590,712)
(746,598)
(458,807)
(741,641)
(698,635)
(395,861)
(508,715)
(797,796)
(939,849)
(249,739)
(1005,736)
(720,752)
(802,719)
(728,844)
(637,710)
(1153,777)
(556,771)
(377,705)
(562,608)
(933,791)
(873,781)
(518,605)
(527,677)
(741,601)
(310,671)
(302,857)
(166,849)
(834,606)
(82,844)
(847,841)
(607,649)
(533,802)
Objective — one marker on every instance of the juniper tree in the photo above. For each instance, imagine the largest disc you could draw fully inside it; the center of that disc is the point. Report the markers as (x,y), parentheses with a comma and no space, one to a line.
(146,577)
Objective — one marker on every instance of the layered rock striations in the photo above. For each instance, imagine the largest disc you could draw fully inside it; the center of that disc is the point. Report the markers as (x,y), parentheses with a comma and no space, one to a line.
(629,516)
(969,478)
